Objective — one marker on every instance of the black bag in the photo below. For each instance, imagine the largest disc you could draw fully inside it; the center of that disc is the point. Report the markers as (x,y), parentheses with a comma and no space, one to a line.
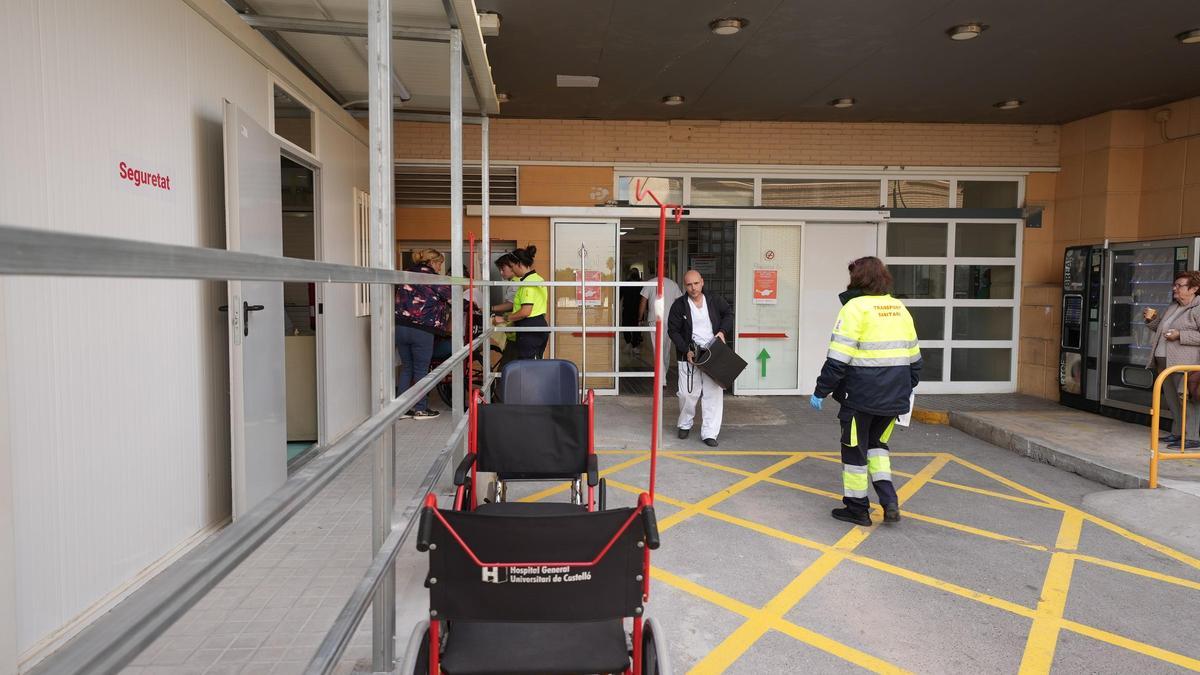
(721,363)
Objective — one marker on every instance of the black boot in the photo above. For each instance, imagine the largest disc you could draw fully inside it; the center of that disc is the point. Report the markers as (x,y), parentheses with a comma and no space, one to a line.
(849,516)
(891,513)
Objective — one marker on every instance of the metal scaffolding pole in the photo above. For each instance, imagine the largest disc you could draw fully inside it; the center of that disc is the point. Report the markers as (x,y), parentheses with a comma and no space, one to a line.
(383,486)
(485,256)
(456,219)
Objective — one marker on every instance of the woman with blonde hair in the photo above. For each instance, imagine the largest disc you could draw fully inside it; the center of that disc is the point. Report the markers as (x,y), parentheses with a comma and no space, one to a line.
(422,313)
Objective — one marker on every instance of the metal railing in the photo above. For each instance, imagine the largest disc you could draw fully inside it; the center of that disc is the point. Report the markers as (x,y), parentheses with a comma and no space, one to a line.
(1155,419)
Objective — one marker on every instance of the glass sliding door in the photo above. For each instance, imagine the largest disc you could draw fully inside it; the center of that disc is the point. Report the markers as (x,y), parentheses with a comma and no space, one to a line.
(587,250)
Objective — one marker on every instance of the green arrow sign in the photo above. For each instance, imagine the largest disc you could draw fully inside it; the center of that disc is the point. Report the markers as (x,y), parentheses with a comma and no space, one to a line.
(762,357)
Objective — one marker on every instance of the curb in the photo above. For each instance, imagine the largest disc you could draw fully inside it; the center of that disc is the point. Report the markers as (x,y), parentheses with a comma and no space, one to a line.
(1042,451)
(931,416)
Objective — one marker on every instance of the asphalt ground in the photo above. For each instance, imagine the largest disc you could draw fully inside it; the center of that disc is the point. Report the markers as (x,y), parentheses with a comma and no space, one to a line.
(994,568)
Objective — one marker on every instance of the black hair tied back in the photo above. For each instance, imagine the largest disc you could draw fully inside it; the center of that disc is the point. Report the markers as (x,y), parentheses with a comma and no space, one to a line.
(525,255)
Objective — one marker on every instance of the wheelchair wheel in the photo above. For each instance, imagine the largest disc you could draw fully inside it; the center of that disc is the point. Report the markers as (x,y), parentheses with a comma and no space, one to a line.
(445,392)
(603,496)
(655,658)
(416,655)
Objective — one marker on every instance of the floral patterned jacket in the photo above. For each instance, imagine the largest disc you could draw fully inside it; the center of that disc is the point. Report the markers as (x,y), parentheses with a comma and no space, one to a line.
(425,307)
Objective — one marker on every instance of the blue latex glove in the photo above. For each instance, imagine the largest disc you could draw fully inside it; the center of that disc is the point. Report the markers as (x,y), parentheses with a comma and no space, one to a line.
(815,402)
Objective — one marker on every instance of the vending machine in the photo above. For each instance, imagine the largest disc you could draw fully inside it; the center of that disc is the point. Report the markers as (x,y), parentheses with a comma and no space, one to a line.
(1138,275)
(1082,318)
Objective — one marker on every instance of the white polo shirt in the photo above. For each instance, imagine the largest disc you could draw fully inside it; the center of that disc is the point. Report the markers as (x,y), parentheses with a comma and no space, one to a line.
(702,328)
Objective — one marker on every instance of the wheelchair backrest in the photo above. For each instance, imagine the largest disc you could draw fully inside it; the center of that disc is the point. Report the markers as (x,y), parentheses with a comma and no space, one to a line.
(532,439)
(542,591)
(540,382)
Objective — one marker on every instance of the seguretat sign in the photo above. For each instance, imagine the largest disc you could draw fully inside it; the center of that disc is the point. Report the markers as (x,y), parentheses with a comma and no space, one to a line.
(143,178)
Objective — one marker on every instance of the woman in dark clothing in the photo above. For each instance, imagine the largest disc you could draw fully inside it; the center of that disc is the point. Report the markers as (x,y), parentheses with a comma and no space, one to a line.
(631,300)
(422,312)
(529,306)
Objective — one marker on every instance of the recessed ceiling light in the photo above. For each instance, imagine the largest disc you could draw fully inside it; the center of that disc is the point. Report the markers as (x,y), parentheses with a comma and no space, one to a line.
(966,31)
(503,97)
(672,100)
(1009,104)
(727,26)
(845,102)
(1189,37)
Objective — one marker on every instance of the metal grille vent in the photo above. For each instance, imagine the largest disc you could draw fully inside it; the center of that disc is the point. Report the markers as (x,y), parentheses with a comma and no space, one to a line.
(430,186)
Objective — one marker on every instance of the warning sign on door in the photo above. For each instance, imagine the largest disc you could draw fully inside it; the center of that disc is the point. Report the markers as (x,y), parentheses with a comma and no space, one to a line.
(588,296)
(766,287)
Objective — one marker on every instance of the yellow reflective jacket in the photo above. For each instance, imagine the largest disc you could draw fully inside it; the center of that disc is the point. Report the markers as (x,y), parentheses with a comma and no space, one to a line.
(873,356)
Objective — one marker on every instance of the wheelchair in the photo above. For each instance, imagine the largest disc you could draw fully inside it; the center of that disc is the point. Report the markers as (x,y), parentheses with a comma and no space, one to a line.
(537,593)
(540,433)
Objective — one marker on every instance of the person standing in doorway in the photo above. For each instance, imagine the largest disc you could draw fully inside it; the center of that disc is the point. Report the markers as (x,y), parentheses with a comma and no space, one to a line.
(630,298)
(422,313)
(873,363)
(693,322)
(648,312)
(529,306)
(1175,341)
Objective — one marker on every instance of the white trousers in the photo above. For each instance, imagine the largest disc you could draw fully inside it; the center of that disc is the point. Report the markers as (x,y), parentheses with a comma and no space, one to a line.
(707,392)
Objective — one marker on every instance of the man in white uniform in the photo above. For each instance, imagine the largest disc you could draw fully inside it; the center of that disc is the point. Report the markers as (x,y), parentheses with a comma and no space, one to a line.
(649,314)
(694,321)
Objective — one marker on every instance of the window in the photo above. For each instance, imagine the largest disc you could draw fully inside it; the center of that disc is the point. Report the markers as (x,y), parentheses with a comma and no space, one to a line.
(669,190)
(959,282)
(722,192)
(918,194)
(801,192)
(986,194)
(362,249)
(291,119)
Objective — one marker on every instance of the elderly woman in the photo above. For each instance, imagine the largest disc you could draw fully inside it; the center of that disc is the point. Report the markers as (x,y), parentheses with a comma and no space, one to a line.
(1176,342)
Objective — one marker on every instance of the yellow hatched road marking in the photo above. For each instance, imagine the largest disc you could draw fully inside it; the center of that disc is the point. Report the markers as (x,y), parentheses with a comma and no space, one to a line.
(1141,572)
(720,496)
(794,631)
(908,514)
(749,632)
(1043,634)
(1087,517)
(1068,538)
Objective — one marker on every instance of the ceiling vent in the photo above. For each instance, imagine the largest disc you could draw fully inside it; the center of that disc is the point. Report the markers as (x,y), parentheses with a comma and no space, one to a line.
(430,185)
(586,81)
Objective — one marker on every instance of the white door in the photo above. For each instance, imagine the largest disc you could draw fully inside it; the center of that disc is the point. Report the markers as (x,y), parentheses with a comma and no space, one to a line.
(768,307)
(828,249)
(253,222)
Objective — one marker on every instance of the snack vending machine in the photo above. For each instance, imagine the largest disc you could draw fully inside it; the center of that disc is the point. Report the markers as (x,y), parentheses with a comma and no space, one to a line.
(1138,275)
(1082,318)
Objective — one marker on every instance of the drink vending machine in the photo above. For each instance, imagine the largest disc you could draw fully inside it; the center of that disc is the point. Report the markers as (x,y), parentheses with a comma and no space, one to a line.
(1082,317)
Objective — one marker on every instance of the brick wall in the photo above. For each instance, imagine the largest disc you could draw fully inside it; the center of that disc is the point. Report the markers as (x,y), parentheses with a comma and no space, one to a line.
(720,142)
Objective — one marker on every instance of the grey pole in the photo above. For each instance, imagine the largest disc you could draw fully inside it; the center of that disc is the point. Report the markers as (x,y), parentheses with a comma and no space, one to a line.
(485,246)
(456,219)
(383,486)
(583,317)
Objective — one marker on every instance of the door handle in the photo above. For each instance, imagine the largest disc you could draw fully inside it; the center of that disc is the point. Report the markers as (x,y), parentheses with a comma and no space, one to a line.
(246,309)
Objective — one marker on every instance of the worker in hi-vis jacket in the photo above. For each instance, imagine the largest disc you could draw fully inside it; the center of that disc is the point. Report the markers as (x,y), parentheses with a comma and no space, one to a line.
(872,365)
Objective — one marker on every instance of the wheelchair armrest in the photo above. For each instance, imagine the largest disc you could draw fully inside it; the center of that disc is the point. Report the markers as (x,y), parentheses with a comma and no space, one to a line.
(464,468)
(650,523)
(425,529)
(593,470)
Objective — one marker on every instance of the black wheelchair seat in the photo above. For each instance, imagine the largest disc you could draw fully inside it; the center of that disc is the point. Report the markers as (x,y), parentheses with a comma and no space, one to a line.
(495,648)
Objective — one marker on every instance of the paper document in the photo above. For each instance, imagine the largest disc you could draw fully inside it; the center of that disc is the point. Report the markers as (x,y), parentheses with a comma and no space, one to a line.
(905,419)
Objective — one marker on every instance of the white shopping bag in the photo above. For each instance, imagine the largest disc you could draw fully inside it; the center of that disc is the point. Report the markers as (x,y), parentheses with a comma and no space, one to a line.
(905,419)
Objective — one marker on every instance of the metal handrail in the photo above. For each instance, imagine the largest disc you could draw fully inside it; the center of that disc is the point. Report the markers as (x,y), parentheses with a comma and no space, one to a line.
(1155,414)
